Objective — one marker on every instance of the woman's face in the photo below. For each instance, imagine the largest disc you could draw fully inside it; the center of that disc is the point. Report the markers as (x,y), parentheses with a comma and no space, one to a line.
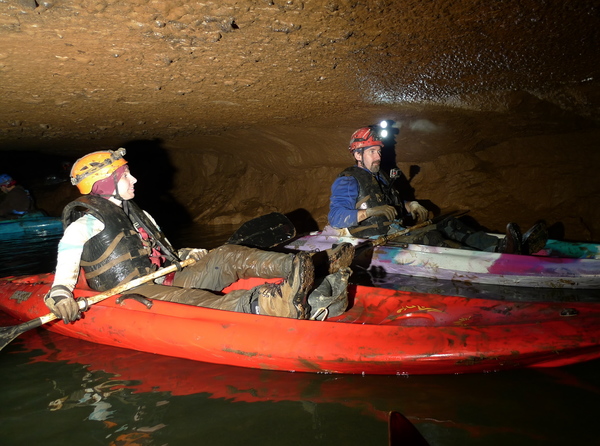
(125,185)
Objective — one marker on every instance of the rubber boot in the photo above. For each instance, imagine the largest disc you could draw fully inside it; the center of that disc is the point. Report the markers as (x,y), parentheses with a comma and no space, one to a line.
(511,243)
(535,238)
(330,298)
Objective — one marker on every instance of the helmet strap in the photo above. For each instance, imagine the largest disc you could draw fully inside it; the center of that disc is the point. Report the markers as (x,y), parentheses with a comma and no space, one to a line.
(116,194)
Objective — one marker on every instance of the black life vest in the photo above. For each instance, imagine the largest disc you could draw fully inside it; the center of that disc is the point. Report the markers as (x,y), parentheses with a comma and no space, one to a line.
(117,254)
(372,192)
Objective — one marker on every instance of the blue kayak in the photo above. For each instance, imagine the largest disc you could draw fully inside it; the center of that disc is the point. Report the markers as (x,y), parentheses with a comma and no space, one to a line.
(31,225)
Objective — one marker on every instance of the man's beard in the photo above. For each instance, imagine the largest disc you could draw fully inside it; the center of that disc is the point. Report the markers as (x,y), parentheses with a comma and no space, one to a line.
(375,167)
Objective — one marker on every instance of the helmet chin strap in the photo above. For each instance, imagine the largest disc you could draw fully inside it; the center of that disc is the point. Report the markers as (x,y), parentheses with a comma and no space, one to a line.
(116,196)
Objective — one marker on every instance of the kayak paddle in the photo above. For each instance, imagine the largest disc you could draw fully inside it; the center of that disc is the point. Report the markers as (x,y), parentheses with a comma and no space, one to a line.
(8,334)
(382,240)
(264,232)
(402,432)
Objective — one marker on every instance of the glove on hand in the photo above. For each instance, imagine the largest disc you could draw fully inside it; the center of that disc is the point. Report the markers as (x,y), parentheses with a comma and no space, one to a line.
(194,253)
(62,304)
(389,212)
(418,212)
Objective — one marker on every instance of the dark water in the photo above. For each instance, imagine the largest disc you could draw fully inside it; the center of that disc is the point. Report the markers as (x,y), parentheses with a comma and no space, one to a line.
(22,256)
(55,390)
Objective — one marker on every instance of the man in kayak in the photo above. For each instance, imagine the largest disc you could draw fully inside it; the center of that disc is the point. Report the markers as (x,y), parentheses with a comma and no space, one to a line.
(114,242)
(365,204)
(17,200)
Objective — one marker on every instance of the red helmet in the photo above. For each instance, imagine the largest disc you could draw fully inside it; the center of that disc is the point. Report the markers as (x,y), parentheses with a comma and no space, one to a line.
(364,137)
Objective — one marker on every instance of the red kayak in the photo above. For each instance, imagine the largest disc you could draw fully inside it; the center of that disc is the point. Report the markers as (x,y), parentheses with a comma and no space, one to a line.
(384,331)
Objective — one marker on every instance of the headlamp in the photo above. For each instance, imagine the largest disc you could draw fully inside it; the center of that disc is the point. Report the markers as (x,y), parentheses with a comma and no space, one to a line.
(380,132)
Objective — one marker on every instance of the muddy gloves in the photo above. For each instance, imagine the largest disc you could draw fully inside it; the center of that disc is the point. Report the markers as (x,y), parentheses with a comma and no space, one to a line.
(389,212)
(194,253)
(62,304)
(418,212)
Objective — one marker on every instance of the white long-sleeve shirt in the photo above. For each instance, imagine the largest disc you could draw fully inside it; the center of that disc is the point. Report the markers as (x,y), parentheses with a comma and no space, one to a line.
(70,249)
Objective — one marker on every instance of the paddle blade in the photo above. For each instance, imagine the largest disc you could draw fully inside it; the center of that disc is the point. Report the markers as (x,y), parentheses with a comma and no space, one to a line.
(9,334)
(265,231)
(403,432)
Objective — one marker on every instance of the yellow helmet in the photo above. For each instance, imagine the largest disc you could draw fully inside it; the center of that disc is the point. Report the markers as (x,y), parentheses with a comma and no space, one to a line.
(94,167)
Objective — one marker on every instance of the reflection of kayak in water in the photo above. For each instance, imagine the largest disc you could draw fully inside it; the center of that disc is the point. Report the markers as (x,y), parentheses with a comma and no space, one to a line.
(448,406)
(34,224)
(383,332)
(558,265)
(144,373)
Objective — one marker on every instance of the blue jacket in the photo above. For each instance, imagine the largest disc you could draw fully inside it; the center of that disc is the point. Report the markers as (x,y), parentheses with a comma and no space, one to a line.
(342,204)
(345,192)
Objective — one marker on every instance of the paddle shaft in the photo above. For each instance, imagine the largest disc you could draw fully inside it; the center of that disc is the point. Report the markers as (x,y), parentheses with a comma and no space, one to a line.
(276,225)
(8,334)
(382,240)
(124,287)
(386,238)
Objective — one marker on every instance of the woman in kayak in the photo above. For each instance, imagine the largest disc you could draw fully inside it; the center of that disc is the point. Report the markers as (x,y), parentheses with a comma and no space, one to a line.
(114,242)
(364,203)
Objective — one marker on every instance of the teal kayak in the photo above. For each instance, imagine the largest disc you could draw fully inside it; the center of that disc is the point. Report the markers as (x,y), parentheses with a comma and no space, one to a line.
(31,225)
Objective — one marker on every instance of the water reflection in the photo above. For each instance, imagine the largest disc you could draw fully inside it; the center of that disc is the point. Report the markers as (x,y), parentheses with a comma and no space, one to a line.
(24,256)
(56,389)
(51,385)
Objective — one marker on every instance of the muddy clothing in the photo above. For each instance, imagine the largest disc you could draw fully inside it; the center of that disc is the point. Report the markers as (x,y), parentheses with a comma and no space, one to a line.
(455,230)
(16,203)
(357,188)
(98,238)
(197,283)
(450,233)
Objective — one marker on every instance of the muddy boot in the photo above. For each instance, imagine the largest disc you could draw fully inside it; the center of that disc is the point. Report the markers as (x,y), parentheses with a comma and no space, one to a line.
(330,298)
(511,243)
(331,260)
(340,257)
(289,298)
(535,238)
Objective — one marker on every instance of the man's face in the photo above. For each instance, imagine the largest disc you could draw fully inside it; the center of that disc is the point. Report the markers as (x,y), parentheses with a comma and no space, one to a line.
(370,158)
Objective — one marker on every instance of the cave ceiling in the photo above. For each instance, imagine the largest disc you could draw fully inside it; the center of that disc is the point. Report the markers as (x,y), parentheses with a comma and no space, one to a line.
(494,99)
